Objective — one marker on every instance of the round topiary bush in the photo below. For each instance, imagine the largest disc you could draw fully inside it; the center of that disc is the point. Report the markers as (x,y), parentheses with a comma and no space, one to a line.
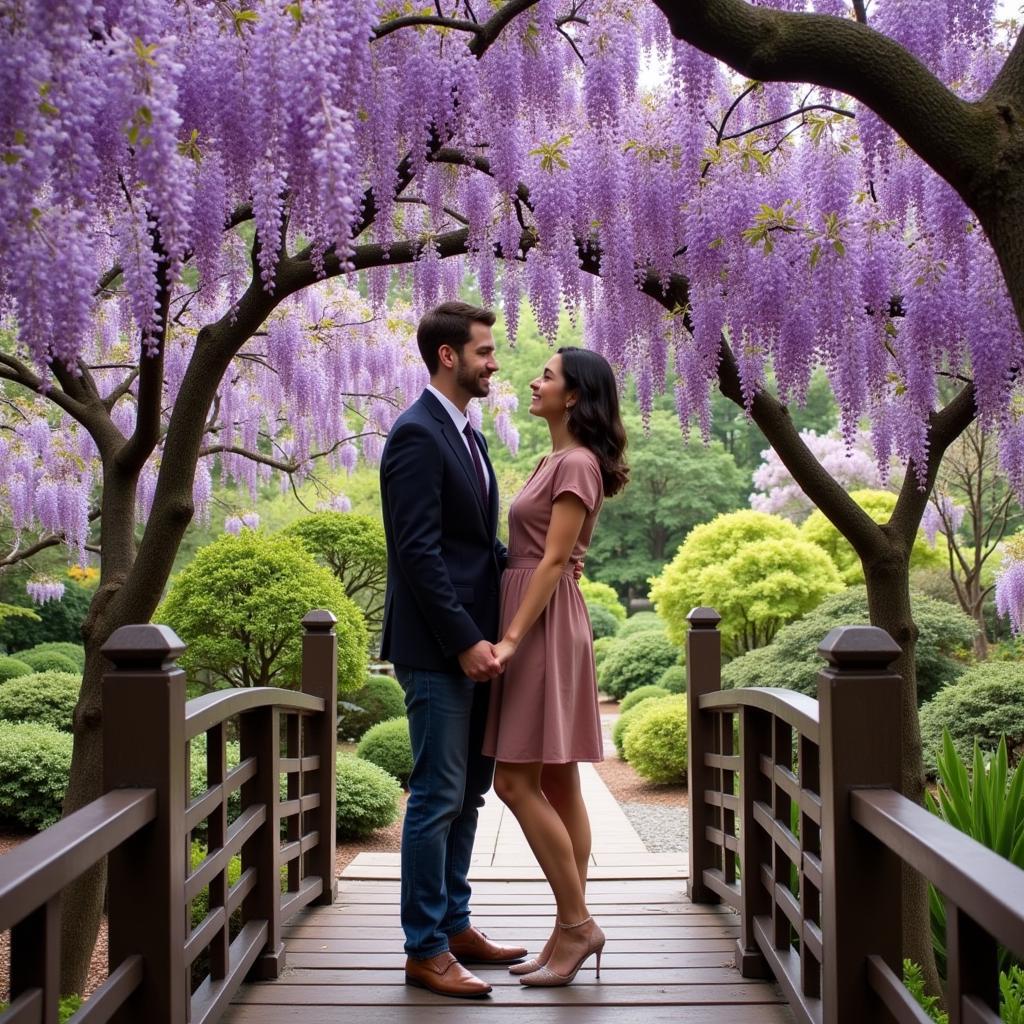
(368,797)
(48,698)
(11,668)
(637,660)
(48,661)
(986,702)
(379,699)
(641,622)
(602,622)
(656,743)
(603,647)
(639,695)
(76,652)
(604,595)
(625,722)
(35,762)
(673,679)
(388,746)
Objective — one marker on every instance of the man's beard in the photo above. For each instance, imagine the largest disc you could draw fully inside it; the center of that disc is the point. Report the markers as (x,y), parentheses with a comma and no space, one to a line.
(471,383)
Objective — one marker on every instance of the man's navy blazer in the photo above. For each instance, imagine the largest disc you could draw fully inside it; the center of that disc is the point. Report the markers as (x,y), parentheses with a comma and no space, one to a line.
(444,558)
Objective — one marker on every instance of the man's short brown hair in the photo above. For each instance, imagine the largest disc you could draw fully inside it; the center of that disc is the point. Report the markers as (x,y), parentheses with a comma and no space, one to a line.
(448,324)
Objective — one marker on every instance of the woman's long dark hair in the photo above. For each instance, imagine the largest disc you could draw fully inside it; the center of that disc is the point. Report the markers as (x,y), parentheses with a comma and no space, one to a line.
(594,420)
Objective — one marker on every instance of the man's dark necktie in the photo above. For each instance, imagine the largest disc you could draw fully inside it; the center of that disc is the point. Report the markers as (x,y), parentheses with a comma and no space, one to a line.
(477,462)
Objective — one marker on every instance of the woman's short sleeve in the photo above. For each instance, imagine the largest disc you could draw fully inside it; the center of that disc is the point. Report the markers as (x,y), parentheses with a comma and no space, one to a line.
(578,473)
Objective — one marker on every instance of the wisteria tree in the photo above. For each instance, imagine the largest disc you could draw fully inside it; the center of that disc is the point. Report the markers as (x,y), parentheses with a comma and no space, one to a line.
(720,227)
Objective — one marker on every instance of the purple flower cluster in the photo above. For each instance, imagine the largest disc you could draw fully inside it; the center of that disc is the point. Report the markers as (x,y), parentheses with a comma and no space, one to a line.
(44,588)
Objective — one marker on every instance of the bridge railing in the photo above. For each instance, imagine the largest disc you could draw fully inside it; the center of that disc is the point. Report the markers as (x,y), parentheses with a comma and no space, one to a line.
(796,821)
(144,823)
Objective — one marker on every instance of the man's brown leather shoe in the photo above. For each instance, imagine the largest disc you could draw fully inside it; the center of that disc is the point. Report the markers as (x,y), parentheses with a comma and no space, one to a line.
(444,975)
(473,947)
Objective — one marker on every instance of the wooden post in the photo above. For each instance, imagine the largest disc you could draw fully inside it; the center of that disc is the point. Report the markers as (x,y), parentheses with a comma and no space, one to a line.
(860,736)
(703,675)
(144,746)
(972,960)
(320,678)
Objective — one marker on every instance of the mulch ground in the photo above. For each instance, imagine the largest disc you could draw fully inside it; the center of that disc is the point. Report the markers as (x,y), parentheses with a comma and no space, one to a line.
(623,782)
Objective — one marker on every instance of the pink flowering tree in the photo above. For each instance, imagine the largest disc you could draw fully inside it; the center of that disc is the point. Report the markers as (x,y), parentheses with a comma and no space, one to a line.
(189,173)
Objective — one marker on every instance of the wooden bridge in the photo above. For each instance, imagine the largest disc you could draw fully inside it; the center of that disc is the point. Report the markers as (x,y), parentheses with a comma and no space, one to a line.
(799,793)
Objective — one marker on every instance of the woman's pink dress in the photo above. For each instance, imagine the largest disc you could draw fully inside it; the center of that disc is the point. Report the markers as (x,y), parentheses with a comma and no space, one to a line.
(544,708)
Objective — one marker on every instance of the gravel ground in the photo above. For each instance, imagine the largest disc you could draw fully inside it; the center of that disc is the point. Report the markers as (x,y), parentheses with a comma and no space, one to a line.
(657,812)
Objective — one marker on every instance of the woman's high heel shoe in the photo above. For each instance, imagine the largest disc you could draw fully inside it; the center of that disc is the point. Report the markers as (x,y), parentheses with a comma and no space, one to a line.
(545,977)
(529,966)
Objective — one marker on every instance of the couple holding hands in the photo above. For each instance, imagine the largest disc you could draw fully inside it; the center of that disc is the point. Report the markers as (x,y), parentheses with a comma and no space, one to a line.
(493,646)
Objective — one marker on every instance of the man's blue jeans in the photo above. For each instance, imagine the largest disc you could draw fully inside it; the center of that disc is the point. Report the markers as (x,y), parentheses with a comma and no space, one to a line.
(447,715)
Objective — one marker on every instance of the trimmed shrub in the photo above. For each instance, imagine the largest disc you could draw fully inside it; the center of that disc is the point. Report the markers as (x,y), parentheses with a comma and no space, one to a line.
(639,695)
(792,661)
(641,622)
(603,647)
(48,698)
(602,622)
(368,797)
(625,722)
(55,620)
(11,668)
(201,904)
(35,762)
(76,652)
(595,593)
(636,661)
(197,772)
(656,743)
(388,746)
(673,679)
(986,702)
(379,699)
(48,661)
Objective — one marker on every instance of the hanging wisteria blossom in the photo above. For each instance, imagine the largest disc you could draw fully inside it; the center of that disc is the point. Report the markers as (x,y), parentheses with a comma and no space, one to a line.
(44,588)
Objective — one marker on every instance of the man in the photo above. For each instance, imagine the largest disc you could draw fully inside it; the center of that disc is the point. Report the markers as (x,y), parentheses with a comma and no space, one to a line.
(440,504)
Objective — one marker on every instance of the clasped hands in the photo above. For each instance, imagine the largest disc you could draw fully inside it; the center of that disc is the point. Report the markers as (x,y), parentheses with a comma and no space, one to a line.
(484,660)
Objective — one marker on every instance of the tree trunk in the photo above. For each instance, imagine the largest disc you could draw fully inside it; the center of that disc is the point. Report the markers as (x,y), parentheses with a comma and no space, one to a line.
(888,584)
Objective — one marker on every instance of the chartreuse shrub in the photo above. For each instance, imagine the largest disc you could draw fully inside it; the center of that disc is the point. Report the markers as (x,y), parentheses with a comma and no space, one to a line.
(673,679)
(639,695)
(368,797)
(641,622)
(656,742)
(792,661)
(380,698)
(11,668)
(48,661)
(603,646)
(35,762)
(76,652)
(66,1008)
(986,804)
(638,660)
(602,621)
(48,698)
(595,593)
(985,703)
(388,746)
(913,981)
(1011,995)
(627,718)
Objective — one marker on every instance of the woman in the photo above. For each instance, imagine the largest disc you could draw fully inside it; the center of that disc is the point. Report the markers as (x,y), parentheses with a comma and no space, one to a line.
(544,717)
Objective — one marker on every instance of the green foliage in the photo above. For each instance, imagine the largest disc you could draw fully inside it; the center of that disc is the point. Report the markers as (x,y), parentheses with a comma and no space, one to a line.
(377,700)
(603,646)
(640,622)
(791,659)
(48,698)
(35,762)
(636,661)
(48,661)
(879,506)
(913,981)
(755,569)
(988,806)
(388,746)
(76,652)
(66,1008)
(55,620)
(353,547)
(197,771)
(674,484)
(673,679)
(602,621)
(985,703)
(639,695)
(11,668)
(239,606)
(601,594)
(655,744)
(201,904)
(625,721)
(368,797)
(1011,995)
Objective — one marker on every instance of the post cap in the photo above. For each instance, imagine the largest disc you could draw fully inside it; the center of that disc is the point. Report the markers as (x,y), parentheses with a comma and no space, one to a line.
(319,620)
(859,647)
(147,646)
(703,618)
